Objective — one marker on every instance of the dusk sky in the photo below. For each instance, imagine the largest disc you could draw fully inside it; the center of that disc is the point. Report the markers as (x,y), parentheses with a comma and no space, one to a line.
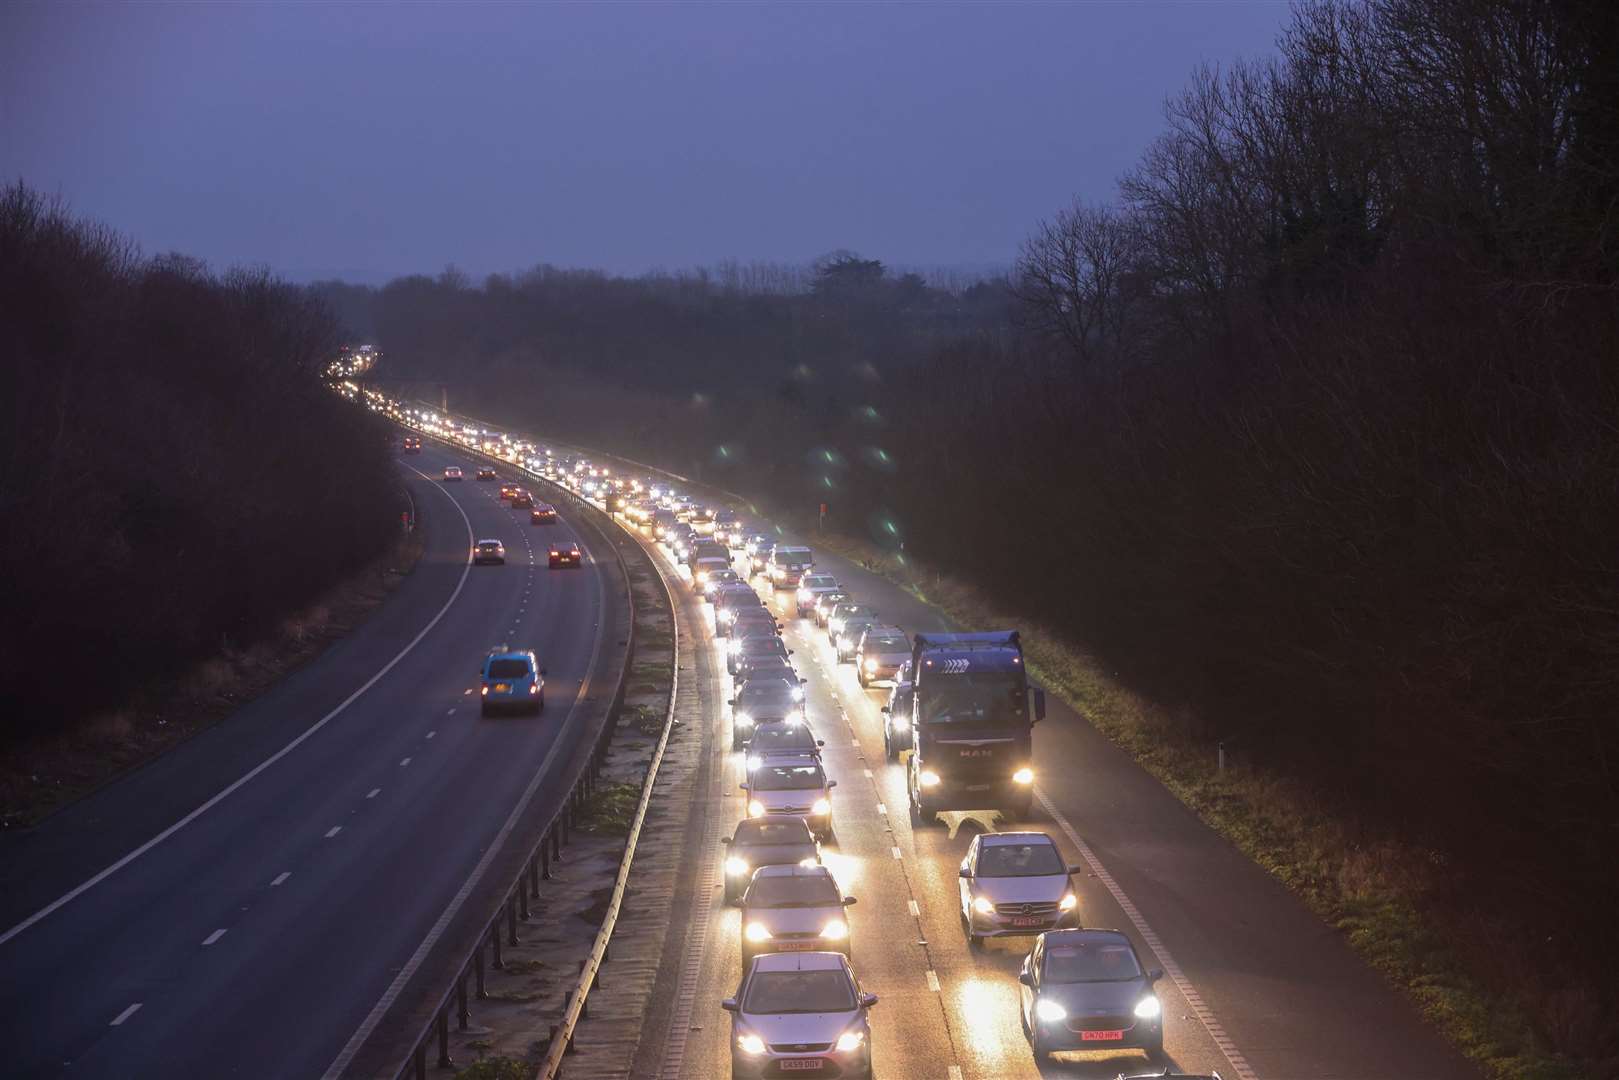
(371,139)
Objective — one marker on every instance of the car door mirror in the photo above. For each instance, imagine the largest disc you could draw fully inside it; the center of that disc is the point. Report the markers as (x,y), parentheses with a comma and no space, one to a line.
(830,784)
(848,900)
(965,873)
(731,702)
(1025,978)
(743,785)
(887,709)
(1155,974)
(1039,705)
(729,1005)
(789,652)
(820,742)
(544,673)
(867,1000)
(726,840)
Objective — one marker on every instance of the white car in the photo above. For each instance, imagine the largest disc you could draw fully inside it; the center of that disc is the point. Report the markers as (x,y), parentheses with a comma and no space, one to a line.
(800,1012)
(452,472)
(1015,883)
(793,909)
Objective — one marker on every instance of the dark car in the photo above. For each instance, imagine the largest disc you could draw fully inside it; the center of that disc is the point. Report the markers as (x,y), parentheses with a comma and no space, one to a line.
(760,701)
(543,514)
(486,473)
(566,553)
(522,500)
(413,444)
(1087,990)
(768,842)
(897,733)
(764,642)
(488,551)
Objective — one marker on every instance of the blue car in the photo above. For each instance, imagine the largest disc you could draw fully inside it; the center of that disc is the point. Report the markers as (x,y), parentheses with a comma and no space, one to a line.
(512,679)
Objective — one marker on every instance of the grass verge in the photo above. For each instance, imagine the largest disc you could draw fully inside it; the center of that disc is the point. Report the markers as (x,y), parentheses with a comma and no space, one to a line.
(1369,887)
(610,810)
(45,773)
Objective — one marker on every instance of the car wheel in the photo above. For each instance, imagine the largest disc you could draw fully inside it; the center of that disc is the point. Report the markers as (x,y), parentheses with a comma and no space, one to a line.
(540,708)
(736,743)
(889,750)
(1155,1048)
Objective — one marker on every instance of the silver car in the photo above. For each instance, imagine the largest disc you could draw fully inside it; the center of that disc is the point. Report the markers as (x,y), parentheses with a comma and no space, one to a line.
(1015,883)
(800,1013)
(812,588)
(488,551)
(792,787)
(847,639)
(793,909)
(897,733)
(781,738)
(882,651)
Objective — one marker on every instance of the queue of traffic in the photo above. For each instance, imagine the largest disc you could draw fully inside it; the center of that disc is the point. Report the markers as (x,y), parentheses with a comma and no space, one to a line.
(957,716)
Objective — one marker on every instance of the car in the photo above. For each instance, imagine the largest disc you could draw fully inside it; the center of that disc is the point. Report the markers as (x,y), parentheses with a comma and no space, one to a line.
(1085,989)
(810,588)
(881,652)
(522,500)
(762,700)
(728,600)
(452,473)
(848,637)
(760,641)
(792,787)
(413,444)
(488,551)
(718,578)
(728,529)
(511,679)
(759,556)
(748,621)
(565,553)
(775,736)
(662,522)
(543,514)
(841,614)
(486,473)
(705,547)
(766,842)
(508,490)
(897,715)
(807,1000)
(1168,1074)
(793,909)
(764,667)
(788,565)
(702,520)
(703,568)
(1015,883)
(826,602)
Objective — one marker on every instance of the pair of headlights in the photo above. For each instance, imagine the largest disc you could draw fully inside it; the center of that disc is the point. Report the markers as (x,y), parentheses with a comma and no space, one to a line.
(820,808)
(847,1042)
(1045,1009)
(836,930)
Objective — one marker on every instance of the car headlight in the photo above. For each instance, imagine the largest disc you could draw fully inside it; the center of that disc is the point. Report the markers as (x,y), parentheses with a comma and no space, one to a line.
(1049,1010)
(821,808)
(727,615)
(750,1044)
(837,930)
(900,723)
(843,643)
(1148,1008)
(733,646)
(871,665)
(702,577)
(808,862)
(754,761)
(850,1040)
(1024,776)
(742,719)
(929,778)
(1068,902)
(835,625)
(983,906)
(803,594)
(756,808)
(756,932)
(798,693)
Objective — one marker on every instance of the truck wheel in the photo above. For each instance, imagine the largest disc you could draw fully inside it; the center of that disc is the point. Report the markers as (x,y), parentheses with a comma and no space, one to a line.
(1020,809)
(889,750)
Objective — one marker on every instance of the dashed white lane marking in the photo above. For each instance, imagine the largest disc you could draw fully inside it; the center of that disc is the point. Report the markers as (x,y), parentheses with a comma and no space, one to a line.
(333,831)
(868,774)
(125,1015)
(373,793)
(896,852)
(467,691)
(213,937)
(916,912)
(450,713)
(430,734)
(882,810)
(933,980)
(403,762)
(1205,1015)
(953,1072)
(279,878)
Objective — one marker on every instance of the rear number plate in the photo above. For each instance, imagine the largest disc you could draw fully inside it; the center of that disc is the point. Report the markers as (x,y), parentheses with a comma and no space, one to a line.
(802,1064)
(1100,1036)
(501,688)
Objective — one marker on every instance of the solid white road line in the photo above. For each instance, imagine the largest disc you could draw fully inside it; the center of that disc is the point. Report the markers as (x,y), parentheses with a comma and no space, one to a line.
(125,1015)
(916,912)
(954,1073)
(333,831)
(882,810)
(80,890)
(279,878)
(933,980)
(213,937)
(1211,1023)
(896,852)
(373,793)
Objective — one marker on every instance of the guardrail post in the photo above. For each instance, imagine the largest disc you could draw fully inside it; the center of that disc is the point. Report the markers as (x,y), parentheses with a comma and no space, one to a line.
(511,922)
(556,840)
(477,972)
(522,897)
(494,939)
(419,1060)
(545,854)
(462,1016)
(534,875)
(444,1061)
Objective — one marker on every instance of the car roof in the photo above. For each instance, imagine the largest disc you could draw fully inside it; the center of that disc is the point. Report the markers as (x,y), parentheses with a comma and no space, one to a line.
(1002,838)
(799,961)
(481,543)
(1085,935)
(510,654)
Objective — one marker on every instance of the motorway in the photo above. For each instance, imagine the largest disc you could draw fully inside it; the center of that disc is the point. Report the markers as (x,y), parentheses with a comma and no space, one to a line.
(239,906)
(1256,986)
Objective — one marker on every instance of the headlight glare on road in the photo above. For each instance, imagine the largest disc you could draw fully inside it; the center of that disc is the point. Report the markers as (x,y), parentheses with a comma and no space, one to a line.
(733,646)
(850,1040)
(983,906)
(735,866)
(1049,1011)
(929,778)
(821,808)
(742,719)
(1024,775)
(1148,1008)
(796,716)
(756,809)
(750,1044)
(836,930)
(757,932)
(871,665)
(808,862)
(1068,902)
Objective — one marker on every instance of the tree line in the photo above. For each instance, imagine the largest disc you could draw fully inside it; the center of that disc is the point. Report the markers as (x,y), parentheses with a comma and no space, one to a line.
(1310,432)
(174,474)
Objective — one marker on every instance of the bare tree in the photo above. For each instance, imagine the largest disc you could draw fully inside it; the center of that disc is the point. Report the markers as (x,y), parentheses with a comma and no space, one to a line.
(1078,278)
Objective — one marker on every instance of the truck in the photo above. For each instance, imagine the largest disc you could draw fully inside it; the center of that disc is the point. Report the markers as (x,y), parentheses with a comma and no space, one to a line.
(971,725)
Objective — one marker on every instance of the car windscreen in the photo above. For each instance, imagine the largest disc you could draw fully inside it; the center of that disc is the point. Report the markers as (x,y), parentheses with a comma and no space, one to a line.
(797,560)
(508,669)
(789,778)
(488,545)
(1019,860)
(823,991)
(797,890)
(1091,961)
(771,692)
(772,833)
(973,698)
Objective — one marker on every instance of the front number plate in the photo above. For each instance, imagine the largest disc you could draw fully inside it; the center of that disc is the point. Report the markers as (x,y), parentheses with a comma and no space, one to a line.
(802,1064)
(1100,1036)
(1028,920)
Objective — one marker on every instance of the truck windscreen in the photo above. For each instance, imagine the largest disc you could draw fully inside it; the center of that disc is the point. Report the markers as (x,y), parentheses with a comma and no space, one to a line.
(974,699)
